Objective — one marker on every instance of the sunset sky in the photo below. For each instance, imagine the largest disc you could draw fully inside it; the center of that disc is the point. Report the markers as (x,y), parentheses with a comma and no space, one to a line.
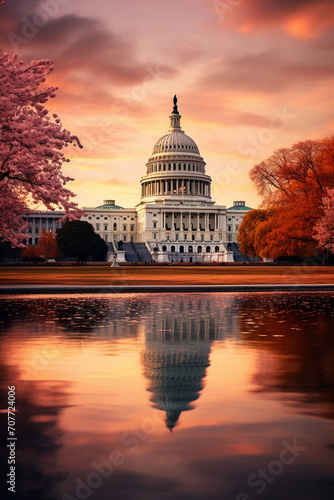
(251,76)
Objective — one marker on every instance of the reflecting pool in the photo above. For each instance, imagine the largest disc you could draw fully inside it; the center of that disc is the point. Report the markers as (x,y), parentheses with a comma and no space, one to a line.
(171,396)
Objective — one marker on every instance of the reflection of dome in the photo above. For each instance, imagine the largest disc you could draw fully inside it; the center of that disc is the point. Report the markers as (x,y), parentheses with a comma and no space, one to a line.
(176,140)
(176,371)
(177,348)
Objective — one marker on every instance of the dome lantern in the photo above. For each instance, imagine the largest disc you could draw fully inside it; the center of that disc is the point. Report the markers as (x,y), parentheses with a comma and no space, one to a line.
(175,117)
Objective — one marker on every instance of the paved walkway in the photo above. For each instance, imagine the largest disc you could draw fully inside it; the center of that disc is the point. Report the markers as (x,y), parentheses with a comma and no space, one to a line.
(95,289)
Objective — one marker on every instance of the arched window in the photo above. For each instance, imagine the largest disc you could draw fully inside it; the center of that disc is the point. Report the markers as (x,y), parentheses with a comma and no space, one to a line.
(208,249)
(172,248)
(216,249)
(199,249)
(164,248)
(181,249)
(190,249)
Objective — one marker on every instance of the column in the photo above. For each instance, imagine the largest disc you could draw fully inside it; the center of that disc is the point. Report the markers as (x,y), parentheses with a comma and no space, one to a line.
(172,221)
(197,221)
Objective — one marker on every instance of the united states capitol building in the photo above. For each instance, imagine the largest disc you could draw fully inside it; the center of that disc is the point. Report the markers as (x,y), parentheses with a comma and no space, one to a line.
(176,219)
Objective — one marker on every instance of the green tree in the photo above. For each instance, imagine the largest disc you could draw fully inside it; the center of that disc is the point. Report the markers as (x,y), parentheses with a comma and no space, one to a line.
(78,239)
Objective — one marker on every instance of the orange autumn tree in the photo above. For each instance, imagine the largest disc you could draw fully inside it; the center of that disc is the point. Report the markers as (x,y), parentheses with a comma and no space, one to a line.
(29,252)
(293,182)
(47,247)
(248,237)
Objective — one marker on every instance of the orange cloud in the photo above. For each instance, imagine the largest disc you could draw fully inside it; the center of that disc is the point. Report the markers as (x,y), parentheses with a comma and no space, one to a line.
(298,18)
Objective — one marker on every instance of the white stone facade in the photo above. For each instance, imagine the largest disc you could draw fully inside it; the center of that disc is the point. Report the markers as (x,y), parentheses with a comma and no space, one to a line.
(39,220)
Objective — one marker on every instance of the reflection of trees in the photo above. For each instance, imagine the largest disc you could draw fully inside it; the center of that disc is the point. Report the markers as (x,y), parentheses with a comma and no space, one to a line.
(296,349)
(76,317)
(39,406)
(116,318)
(177,349)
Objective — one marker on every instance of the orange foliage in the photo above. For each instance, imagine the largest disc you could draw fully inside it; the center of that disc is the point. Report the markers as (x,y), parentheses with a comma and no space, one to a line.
(248,237)
(293,182)
(29,252)
(47,247)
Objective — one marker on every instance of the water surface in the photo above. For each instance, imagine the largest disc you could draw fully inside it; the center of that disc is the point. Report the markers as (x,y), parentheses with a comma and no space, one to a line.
(171,396)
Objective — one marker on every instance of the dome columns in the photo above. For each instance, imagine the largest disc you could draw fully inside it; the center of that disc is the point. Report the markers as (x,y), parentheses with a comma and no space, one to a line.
(178,187)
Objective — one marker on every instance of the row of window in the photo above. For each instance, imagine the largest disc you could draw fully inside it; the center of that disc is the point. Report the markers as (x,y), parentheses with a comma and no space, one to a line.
(132,227)
(164,147)
(190,249)
(163,168)
(185,237)
(169,186)
(97,217)
(37,220)
(31,241)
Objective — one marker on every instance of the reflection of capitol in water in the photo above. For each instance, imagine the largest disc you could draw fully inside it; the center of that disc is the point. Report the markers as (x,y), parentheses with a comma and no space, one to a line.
(176,355)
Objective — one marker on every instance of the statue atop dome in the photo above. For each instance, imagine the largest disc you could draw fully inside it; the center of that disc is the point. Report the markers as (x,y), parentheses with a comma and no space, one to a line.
(175,110)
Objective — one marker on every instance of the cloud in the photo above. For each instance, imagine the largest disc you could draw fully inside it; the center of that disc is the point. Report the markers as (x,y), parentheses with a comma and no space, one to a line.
(299,18)
(95,69)
(270,72)
(78,45)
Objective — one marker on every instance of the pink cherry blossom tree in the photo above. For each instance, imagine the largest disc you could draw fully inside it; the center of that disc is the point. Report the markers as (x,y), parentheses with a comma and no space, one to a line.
(31,144)
(324,229)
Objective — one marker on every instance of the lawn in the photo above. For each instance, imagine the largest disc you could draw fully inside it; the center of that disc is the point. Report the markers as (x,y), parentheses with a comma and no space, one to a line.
(173,275)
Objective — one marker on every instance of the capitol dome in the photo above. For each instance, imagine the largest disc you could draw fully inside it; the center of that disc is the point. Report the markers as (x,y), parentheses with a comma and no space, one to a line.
(175,170)
(175,141)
